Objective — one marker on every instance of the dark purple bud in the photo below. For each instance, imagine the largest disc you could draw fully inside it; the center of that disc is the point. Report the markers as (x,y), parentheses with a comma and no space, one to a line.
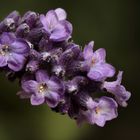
(80,80)
(46,56)
(15,16)
(22,30)
(69,54)
(75,84)
(45,45)
(72,87)
(35,35)
(73,109)
(63,106)
(58,70)
(7,24)
(52,56)
(34,54)
(32,66)
(10,23)
(74,68)
(30,18)
(82,99)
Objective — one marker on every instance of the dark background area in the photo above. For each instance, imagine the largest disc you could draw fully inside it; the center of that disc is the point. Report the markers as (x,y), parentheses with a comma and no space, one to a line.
(112,24)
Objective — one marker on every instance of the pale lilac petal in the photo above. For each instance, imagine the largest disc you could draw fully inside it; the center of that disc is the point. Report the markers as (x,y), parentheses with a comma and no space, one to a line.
(37,100)
(20,46)
(90,103)
(101,72)
(68,27)
(61,14)
(42,76)
(88,50)
(119,77)
(16,61)
(118,90)
(49,21)
(122,95)
(99,55)
(108,107)
(52,18)
(44,22)
(30,86)
(62,31)
(100,121)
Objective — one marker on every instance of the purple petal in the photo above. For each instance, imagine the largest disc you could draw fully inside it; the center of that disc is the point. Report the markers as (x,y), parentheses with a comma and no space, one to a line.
(61,14)
(118,90)
(100,121)
(3,60)
(16,61)
(90,103)
(52,99)
(108,107)
(61,32)
(119,77)
(37,100)
(101,72)
(30,86)
(99,55)
(49,21)
(56,85)
(88,50)
(42,76)
(20,46)
(122,96)
(7,38)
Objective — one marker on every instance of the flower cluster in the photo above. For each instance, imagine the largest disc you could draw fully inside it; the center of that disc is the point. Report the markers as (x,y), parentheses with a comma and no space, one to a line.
(53,70)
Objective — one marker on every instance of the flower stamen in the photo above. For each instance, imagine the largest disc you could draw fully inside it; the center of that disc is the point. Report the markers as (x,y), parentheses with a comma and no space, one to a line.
(42,88)
(4,50)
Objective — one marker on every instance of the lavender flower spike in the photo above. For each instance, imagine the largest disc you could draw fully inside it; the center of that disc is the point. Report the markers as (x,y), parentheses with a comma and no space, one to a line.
(100,111)
(55,25)
(44,89)
(118,90)
(38,51)
(98,69)
(13,51)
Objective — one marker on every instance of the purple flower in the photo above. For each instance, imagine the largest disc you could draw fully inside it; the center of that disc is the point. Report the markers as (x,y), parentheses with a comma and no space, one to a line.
(55,25)
(13,51)
(100,111)
(118,90)
(44,89)
(95,63)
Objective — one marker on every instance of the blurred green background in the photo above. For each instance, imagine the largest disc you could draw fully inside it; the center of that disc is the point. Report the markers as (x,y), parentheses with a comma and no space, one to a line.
(112,24)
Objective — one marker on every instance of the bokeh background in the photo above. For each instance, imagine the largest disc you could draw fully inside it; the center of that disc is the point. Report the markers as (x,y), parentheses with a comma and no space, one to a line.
(112,24)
